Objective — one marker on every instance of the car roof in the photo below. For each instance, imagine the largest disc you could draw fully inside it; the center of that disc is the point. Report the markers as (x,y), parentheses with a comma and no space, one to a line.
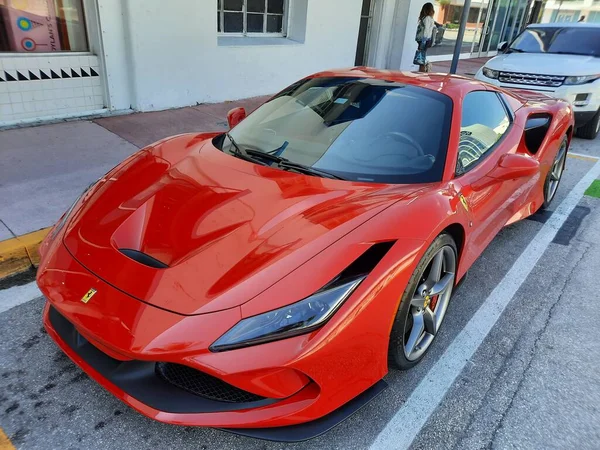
(565,25)
(439,82)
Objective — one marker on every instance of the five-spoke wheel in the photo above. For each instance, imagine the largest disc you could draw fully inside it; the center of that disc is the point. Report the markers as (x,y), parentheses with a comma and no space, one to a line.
(424,303)
(555,173)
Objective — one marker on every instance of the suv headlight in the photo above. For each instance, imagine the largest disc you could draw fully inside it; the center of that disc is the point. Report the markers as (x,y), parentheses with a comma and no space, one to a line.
(582,79)
(299,318)
(490,73)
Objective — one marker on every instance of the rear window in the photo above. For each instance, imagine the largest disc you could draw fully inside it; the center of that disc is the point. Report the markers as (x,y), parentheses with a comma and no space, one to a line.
(570,40)
(358,129)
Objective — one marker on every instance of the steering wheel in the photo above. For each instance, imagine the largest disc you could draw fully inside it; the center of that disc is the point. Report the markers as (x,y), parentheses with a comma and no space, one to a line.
(402,137)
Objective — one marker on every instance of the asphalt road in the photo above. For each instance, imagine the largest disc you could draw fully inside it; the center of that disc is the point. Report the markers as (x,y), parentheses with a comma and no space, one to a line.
(532,383)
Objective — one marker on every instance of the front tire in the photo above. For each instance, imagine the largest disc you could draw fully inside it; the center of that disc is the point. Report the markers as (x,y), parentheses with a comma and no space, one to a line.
(591,129)
(424,303)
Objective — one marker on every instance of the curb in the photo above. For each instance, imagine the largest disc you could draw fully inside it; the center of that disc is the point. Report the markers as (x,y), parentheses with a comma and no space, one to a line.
(21,253)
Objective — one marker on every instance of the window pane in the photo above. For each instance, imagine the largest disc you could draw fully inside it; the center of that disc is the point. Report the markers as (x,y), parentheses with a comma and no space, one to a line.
(577,41)
(41,26)
(256,6)
(219,22)
(276,6)
(233,5)
(484,121)
(218,5)
(234,22)
(366,8)
(274,24)
(255,23)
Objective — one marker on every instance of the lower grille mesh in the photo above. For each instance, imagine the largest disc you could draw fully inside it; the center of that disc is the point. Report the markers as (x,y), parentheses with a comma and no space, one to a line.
(204,385)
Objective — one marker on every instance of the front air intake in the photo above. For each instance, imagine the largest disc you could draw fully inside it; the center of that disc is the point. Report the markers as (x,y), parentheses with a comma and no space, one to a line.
(204,385)
(144,259)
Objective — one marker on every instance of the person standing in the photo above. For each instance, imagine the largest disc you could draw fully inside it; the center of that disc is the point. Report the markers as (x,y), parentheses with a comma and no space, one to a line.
(424,35)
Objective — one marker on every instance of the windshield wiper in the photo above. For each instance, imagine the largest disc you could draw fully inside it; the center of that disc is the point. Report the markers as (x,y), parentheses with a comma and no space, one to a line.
(290,165)
(242,153)
(283,163)
(269,156)
(516,50)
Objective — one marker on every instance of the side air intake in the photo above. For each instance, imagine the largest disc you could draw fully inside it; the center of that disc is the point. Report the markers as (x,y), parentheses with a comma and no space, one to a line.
(144,259)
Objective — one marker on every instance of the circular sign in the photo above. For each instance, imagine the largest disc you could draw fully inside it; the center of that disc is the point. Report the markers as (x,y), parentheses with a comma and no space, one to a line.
(28,44)
(24,23)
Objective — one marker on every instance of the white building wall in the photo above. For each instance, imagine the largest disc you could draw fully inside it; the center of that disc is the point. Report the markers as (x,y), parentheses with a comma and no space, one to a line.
(393,43)
(174,57)
(53,85)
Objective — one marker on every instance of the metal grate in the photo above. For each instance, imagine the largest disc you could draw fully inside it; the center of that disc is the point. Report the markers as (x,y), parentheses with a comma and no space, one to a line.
(204,385)
(531,79)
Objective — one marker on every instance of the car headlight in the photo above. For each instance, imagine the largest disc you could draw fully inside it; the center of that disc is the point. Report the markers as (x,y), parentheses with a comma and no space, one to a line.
(490,73)
(299,318)
(582,79)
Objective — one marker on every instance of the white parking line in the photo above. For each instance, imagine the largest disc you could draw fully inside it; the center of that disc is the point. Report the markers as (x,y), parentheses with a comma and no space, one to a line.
(402,429)
(17,295)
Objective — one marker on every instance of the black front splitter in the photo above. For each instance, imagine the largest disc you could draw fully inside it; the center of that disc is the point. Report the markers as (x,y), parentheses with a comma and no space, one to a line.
(310,430)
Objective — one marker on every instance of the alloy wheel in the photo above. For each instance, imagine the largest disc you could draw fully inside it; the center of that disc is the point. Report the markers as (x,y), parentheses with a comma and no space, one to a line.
(556,172)
(429,303)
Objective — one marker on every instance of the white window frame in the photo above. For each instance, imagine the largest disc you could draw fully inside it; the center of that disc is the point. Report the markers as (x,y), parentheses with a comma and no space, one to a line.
(245,13)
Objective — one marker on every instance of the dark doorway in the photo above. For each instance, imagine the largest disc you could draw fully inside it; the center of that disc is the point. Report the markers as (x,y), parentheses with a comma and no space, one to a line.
(366,20)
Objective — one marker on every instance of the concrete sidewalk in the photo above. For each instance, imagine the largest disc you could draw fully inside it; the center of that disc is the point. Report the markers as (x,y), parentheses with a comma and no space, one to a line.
(43,169)
(466,67)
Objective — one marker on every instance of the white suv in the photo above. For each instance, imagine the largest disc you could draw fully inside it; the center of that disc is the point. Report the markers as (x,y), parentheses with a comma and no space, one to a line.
(562,60)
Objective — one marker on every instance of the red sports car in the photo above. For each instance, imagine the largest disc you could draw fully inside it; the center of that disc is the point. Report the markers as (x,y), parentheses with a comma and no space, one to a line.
(265,279)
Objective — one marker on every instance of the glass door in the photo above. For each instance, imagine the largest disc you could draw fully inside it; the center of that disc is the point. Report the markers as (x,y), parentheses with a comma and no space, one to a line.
(478,26)
(504,22)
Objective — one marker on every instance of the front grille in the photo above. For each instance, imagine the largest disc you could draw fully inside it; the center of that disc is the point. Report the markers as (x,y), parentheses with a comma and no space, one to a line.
(204,385)
(531,79)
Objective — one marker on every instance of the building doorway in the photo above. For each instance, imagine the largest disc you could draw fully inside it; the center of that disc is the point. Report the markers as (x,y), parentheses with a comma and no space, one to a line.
(364,33)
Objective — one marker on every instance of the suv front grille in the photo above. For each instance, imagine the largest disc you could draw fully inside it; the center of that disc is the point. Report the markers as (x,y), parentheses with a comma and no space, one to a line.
(204,385)
(531,79)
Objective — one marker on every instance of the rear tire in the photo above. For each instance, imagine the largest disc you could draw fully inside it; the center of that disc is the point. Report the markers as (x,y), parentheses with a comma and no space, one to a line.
(422,308)
(591,129)
(555,173)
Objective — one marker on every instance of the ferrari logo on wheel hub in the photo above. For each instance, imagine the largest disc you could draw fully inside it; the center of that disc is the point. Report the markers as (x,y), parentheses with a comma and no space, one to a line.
(88,296)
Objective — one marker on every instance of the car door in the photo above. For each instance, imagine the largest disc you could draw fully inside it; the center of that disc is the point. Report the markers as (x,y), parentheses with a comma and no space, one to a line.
(487,134)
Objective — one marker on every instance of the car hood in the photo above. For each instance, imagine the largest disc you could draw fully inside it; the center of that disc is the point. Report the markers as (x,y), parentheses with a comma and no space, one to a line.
(546,64)
(224,229)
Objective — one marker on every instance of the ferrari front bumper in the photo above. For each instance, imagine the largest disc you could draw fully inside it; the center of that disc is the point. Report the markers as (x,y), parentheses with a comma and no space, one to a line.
(138,384)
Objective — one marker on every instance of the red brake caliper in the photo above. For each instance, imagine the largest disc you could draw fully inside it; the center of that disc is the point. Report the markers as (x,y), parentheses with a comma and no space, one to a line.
(433,302)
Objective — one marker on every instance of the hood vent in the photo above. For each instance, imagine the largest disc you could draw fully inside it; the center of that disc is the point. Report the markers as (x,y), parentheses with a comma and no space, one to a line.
(144,259)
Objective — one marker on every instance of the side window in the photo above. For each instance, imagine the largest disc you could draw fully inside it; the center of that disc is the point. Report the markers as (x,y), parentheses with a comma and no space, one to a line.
(484,122)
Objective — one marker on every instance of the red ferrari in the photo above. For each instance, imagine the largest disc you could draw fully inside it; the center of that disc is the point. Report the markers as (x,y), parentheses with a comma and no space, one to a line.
(264,280)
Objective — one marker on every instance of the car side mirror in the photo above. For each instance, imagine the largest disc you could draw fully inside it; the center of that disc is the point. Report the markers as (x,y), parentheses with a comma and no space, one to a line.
(513,166)
(502,47)
(235,116)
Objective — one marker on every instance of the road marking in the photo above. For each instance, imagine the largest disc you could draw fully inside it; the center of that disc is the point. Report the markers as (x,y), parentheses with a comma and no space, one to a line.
(404,427)
(5,443)
(17,295)
(582,156)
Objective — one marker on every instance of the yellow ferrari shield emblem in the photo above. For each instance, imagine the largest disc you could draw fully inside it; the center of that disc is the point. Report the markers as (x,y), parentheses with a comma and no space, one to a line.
(88,296)
(463,200)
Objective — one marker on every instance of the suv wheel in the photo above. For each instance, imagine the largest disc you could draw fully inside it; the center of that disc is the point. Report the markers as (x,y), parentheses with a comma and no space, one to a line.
(591,129)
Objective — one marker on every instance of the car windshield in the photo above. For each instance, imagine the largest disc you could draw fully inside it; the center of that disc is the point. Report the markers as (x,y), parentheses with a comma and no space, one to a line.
(352,128)
(569,40)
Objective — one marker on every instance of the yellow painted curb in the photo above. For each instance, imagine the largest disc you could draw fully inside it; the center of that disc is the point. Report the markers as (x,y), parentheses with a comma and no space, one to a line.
(5,443)
(20,253)
(583,157)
